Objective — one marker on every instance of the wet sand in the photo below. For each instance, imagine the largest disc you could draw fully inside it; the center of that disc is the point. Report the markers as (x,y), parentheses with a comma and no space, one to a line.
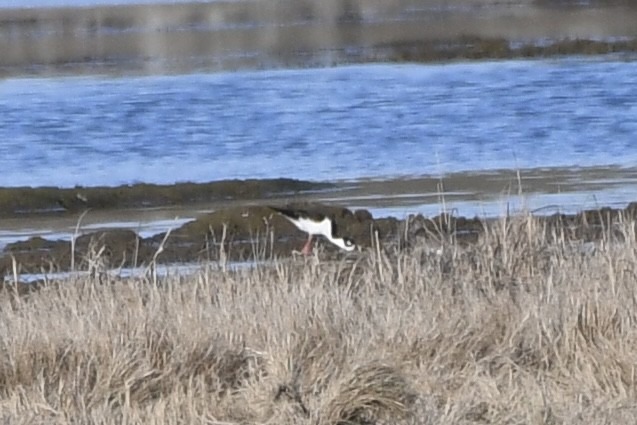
(174,38)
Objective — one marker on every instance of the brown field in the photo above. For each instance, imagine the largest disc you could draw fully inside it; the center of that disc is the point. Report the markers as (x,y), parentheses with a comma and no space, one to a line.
(526,326)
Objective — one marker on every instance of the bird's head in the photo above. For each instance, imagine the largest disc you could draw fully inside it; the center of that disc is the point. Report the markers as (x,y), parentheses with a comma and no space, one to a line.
(345,244)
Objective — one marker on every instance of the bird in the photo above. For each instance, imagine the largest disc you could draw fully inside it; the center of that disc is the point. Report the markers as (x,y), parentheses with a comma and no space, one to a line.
(315,224)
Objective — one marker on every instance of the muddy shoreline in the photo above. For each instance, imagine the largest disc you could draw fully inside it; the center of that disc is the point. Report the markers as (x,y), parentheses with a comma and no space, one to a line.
(217,36)
(257,232)
(52,201)
(230,220)
(187,198)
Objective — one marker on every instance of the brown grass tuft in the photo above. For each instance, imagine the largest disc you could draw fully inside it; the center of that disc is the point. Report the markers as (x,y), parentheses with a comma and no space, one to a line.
(370,393)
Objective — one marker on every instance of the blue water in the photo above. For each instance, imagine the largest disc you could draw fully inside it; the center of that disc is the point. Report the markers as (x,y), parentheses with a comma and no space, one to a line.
(344,123)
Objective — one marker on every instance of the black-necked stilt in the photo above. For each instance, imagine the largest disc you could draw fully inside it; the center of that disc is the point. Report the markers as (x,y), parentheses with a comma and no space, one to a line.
(315,224)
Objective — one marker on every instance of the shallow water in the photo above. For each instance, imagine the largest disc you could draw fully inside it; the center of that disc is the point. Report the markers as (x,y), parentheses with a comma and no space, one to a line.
(145,223)
(345,123)
(161,271)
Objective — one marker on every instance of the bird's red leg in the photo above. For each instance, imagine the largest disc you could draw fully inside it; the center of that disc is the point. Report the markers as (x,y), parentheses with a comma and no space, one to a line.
(307,248)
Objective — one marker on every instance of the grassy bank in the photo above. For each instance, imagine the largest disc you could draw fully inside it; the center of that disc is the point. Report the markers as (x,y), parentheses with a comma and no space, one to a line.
(523,327)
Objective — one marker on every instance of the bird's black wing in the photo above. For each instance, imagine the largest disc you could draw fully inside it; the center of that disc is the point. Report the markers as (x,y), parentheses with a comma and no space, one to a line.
(335,231)
(296,213)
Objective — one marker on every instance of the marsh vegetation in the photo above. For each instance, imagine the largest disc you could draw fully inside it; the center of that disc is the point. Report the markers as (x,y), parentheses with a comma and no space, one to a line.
(527,325)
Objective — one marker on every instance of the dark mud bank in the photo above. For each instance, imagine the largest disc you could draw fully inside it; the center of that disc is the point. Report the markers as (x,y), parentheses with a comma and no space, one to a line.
(43,201)
(246,233)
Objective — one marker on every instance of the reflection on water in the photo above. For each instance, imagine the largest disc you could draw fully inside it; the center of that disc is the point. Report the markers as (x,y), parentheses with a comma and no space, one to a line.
(226,35)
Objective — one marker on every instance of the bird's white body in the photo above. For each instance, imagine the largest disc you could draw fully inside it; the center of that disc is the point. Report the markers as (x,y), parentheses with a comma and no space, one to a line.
(312,227)
(315,228)
(323,227)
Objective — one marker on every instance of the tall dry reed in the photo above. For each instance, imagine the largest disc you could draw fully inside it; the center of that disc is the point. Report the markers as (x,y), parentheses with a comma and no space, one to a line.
(523,327)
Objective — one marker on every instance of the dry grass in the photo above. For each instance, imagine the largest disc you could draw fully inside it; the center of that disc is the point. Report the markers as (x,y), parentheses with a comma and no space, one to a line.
(525,327)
